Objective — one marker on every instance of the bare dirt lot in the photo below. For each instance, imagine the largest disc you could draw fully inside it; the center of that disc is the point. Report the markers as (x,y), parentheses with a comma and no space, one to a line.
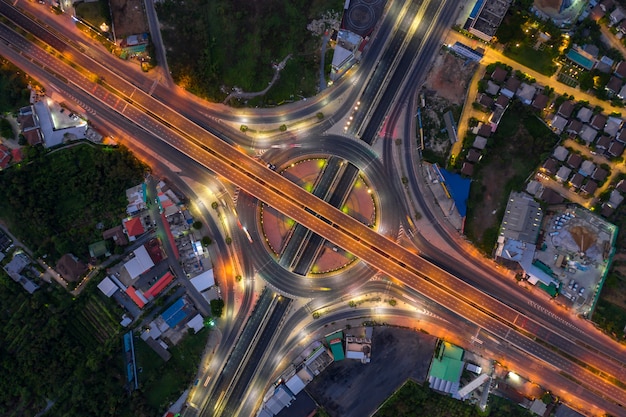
(352,389)
(449,77)
(129,17)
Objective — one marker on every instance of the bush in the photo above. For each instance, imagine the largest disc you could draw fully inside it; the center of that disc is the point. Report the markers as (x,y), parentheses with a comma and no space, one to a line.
(217,307)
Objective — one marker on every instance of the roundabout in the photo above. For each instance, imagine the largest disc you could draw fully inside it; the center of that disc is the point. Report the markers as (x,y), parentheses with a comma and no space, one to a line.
(332,268)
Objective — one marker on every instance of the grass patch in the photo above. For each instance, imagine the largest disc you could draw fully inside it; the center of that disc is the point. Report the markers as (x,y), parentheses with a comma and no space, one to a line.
(520,143)
(94,13)
(162,382)
(542,62)
(412,397)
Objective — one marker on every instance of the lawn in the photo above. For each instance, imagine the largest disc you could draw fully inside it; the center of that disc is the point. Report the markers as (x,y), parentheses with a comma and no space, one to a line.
(94,13)
(162,382)
(520,143)
(540,61)
(13,87)
(413,399)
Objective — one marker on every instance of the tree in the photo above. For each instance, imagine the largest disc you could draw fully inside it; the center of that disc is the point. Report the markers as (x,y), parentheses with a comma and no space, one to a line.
(214,205)
(197,225)
(283,128)
(206,241)
(228,240)
(217,307)
(320,115)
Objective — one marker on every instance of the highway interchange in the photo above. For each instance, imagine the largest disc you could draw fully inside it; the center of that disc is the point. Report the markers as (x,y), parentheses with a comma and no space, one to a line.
(198,138)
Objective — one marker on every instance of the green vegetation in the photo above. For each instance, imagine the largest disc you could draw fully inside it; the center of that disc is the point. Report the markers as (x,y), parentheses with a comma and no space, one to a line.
(6,130)
(54,203)
(519,144)
(413,399)
(197,225)
(206,241)
(94,13)
(217,307)
(162,382)
(234,43)
(63,349)
(542,62)
(14,91)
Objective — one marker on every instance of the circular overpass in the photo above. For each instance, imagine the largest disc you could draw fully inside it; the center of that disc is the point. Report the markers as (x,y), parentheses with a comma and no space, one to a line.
(342,277)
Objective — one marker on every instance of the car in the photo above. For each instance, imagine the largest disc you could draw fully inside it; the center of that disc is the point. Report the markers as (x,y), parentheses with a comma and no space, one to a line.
(575,287)
(271,166)
(582,291)
(571,284)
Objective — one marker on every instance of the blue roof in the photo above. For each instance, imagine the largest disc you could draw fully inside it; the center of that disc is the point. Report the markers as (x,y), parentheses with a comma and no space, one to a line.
(127,342)
(476,9)
(459,189)
(175,313)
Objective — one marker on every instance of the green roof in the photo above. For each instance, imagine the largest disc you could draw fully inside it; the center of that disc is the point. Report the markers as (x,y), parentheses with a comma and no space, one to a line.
(336,335)
(447,369)
(337,349)
(98,249)
(550,289)
(450,365)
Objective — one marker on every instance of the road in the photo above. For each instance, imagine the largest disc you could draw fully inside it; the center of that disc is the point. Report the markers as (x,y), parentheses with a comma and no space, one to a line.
(335,226)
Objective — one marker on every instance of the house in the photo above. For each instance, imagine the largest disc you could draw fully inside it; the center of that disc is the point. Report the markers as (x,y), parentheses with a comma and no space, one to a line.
(5,156)
(616,198)
(574,127)
(502,101)
(622,93)
(467,169)
(540,102)
(614,85)
(484,130)
(480,142)
(587,168)
(597,13)
(606,210)
(492,88)
(592,50)
(560,153)
(511,87)
(576,180)
(550,166)
(617,16)
(567,107)
(584,114)
(612,126)
(70,268)
(98,249)
(557,124)
(605,65)
(599,174)
(620,69)
(499,75)
(621,186)
(563,174)
(29,126)
(485,100)
(622,136)
(525,93)
(134,227)
(473,155)
(616,149)
(603,143)
(574,160)
(598,121)
(607,5)
(588,134)
(117,234)
(590,187)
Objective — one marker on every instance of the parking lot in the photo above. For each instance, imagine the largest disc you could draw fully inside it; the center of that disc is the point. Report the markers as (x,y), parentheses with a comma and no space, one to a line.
(351,389)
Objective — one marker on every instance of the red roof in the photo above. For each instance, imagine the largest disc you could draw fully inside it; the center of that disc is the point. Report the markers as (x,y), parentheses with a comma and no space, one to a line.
(159,286)
(134,227)
(132,293)
(17,155)
(170,237)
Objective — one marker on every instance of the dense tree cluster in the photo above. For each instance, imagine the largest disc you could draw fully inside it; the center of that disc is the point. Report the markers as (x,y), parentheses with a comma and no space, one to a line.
(43,357)
(55,202)
(13,87)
